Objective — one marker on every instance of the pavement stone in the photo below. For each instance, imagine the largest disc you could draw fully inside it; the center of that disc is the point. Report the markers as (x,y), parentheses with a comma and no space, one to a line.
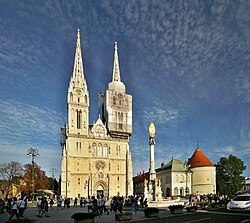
(64,216)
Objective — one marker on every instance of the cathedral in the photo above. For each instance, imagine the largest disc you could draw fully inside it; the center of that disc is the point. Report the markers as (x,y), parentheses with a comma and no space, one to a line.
(96,158)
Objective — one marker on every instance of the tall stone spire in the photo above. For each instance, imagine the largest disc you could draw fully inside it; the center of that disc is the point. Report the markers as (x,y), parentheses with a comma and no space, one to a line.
(78,95)
(116,68)
(78,72)
(116,84)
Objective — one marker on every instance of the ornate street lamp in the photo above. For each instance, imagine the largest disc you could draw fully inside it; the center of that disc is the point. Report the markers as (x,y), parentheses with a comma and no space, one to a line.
(53,171)
(33,153)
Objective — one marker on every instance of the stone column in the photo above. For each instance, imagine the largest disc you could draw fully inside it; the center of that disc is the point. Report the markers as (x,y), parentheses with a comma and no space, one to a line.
(152,173)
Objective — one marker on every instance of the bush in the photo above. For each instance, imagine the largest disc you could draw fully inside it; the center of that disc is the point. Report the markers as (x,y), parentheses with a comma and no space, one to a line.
(151,212)
(81,216)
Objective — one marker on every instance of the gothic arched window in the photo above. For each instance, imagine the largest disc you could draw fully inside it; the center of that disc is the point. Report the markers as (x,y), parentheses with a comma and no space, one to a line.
(78,119)
(114,101)
(176,191)
(105,150)
(94,149)
(99,150)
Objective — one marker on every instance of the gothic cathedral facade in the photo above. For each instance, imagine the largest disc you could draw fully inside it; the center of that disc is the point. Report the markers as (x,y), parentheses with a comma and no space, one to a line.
(96,158)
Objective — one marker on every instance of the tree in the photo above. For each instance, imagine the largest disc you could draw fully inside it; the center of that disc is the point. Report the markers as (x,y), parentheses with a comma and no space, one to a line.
(228,175)
(10,174)
(53,185)
(40,179)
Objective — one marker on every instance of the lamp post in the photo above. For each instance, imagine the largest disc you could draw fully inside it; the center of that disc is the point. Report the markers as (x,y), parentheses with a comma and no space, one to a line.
(33,153)
(53,171)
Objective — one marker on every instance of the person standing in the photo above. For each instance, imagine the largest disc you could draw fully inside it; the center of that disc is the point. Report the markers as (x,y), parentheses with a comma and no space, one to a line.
(75,202)
(14,208)
(21,206)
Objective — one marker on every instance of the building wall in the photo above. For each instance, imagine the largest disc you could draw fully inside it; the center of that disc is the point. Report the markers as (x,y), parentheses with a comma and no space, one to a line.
(203,180)
(85,175)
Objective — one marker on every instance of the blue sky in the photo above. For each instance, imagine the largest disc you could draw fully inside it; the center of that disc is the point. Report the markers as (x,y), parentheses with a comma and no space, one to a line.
(186,64)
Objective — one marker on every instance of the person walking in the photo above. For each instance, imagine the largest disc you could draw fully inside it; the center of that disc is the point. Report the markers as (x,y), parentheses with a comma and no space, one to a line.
(51,203)
(21,207)
(75,202)
(14,208)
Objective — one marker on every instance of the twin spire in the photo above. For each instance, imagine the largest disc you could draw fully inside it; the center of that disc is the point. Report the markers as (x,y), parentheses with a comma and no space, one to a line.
(116,68)
(78,72)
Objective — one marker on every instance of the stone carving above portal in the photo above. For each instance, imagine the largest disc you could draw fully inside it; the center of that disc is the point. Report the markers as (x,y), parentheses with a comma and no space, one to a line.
(100,165)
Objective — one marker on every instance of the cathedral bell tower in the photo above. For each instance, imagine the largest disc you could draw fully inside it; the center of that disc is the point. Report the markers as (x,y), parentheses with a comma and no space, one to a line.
(78,96)
(118,104)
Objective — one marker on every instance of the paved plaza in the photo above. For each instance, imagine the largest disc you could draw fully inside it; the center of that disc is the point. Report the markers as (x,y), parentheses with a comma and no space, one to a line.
(65,215)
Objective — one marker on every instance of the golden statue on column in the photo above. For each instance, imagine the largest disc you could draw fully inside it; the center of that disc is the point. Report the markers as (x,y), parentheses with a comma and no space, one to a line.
(154,192)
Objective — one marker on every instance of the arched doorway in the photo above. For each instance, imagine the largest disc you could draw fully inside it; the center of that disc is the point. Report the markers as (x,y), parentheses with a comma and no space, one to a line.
(168,192)
(100,190)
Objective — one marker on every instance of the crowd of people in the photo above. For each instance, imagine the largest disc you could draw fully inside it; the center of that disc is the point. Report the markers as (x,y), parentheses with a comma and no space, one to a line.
(96,205)
(14,207)
(197,199)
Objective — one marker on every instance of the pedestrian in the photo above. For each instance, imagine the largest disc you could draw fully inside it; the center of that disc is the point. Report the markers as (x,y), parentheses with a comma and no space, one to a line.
(145,203)
(8,208)
(90,204)
(68,203)
(13,208)
(133,205)
(39,207)
(21,207)
(95,207)
(75,202)
(51,203)
(45,207)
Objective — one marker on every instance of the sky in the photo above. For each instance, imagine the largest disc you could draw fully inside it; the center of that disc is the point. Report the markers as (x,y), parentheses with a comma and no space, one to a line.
(186,64)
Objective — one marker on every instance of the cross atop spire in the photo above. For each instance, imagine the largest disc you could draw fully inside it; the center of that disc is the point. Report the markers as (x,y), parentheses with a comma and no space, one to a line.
(116,68)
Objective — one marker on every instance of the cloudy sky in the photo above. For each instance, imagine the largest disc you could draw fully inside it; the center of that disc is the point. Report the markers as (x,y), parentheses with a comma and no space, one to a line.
(186,64)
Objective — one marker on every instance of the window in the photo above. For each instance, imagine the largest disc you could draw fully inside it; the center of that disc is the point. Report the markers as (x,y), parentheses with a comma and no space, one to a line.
(79,181)
(181,191)
(176,191)
(94,149)
(105,150)
(85,99)
(120,120)
(78,99)
(99,150)
(78,119)
(114,100)
(76,145)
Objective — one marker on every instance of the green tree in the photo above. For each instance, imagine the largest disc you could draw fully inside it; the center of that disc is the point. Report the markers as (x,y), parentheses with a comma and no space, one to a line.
(228,175)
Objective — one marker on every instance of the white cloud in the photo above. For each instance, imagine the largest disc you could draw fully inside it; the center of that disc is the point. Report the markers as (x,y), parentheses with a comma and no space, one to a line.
(28,124)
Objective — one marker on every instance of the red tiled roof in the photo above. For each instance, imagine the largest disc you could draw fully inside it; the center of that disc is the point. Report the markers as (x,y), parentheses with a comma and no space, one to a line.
(199,159)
